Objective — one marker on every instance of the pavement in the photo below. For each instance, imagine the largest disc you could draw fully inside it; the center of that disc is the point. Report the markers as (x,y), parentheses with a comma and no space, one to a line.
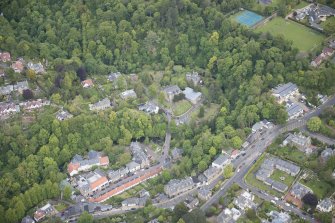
(243,163)
(259,147)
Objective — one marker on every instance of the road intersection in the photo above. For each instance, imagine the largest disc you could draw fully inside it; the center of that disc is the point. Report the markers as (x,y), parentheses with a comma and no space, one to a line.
(255,150)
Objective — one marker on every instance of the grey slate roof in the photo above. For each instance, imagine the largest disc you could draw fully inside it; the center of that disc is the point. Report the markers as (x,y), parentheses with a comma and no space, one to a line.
(298,190)
(283,90)
(174,89)
(191,95)
(221,160)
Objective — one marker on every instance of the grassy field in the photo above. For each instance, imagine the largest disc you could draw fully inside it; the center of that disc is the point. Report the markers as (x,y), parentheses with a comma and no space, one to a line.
(180,107)
(320,188)
(301,5)
(210,112)
(277,174)
(302,37)
(61,207)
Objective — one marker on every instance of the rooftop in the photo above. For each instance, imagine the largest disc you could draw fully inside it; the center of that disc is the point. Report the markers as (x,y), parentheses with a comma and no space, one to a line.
(191,95)
(284,90)
(173,89)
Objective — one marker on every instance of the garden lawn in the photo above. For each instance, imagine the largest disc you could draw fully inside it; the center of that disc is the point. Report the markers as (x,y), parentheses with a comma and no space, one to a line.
(251,179)
(277,174)
(60,207)
(301,5)
(302,37)
(320,189)
(292,154)
(180,107)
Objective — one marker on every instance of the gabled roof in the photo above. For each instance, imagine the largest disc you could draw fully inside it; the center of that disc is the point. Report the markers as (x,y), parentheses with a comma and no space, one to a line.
(87,83)
(101,181)
(173,89)
(284,90)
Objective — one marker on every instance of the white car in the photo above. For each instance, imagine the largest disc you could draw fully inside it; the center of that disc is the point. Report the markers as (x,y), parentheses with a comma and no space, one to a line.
(287,204)
(276,198)
(273,202)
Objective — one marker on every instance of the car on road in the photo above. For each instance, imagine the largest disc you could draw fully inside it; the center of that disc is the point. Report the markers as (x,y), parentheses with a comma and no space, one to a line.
(276,198)
(287,204)
(254,161)
(273,202)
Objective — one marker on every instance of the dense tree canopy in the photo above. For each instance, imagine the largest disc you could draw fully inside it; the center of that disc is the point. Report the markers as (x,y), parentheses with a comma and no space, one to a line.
(79,39)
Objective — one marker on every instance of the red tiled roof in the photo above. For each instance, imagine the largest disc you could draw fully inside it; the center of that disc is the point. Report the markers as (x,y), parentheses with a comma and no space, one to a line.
(327,51)
(98,182)
(39,214)
(235,152)
(72,166)
(87,82)
(126,185)
(104,161)
(5,56)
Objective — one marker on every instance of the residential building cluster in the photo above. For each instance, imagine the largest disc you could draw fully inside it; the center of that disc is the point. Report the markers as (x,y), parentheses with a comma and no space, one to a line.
(192,96)
(88,83)
(18,87)
(46,210)
(136,201)
(19,64)
(298,191)
(178,186)
(323,56)
(229,215)
(100,105)
(326,154)
(5,57)
(301,142)
(316,13)
(63,115)
(128,94)
(325,205)
(127,183)
(257,130)
(79,164)
(287,93)
(279,217)
(113,76)
(193,77)
(34,104)
(149,107)
(8,108)
(38,68)
(171,91)
(97,185)
(267,168)
(191,202)
(245,201)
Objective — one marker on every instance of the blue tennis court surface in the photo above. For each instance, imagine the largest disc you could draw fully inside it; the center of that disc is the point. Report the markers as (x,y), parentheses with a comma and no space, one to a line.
(248,18)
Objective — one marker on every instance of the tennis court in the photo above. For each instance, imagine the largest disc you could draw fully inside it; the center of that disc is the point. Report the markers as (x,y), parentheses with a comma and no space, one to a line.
(248,18)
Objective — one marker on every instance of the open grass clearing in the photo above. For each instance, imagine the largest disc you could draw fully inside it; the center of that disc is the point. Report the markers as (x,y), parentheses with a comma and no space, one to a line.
(302,37)
(320,188)
(60,207)
(279,175)
(210,112)
(180,107)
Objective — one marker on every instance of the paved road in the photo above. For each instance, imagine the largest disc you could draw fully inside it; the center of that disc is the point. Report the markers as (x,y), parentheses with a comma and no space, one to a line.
(259,147)
(281,203)
(253,151)
(320,137)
